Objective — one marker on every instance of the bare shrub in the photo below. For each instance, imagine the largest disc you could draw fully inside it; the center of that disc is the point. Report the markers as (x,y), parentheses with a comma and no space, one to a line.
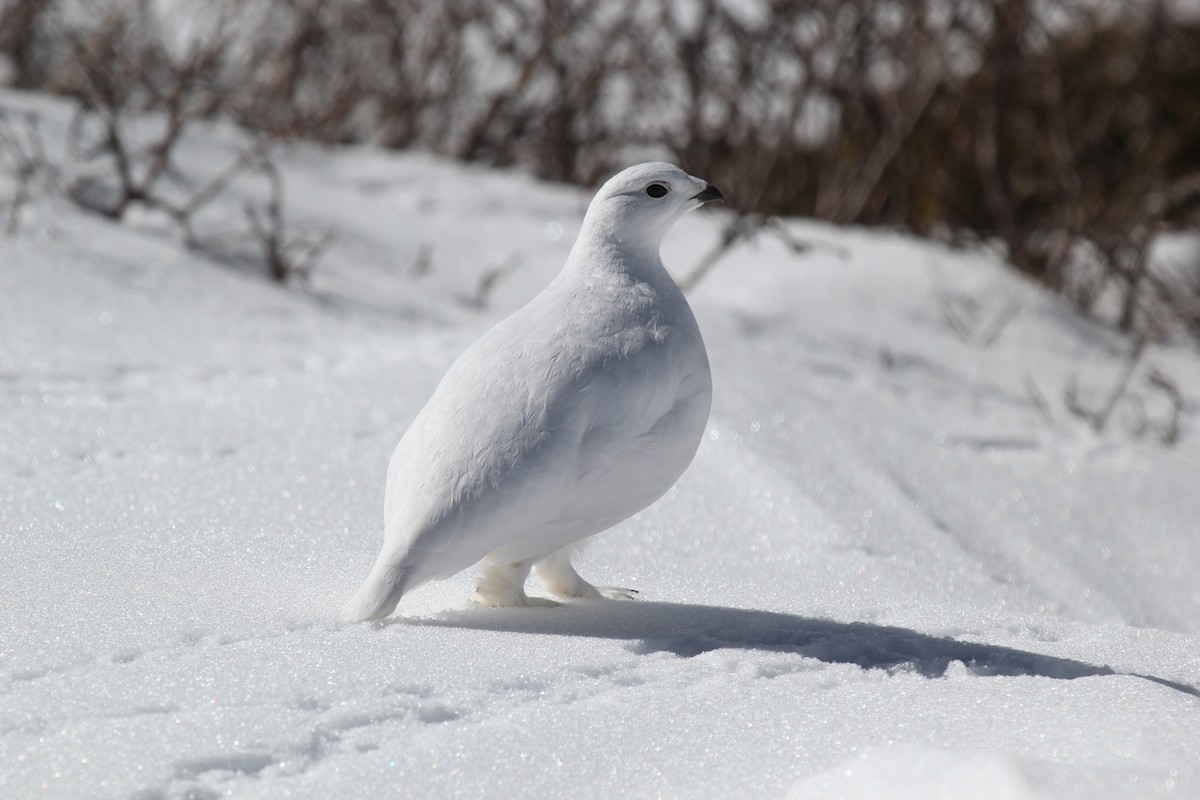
(140,92)
(1151,402)
(23,152)
(491,279)
(1076,139)
(263,236)
(137,100)
(22,41)
(974,321)
(1067,130)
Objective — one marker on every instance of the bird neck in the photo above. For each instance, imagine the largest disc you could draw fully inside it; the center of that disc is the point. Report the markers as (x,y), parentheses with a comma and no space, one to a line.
(599,249)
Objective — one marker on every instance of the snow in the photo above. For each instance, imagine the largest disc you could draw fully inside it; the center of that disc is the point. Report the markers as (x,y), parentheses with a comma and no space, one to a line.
(891,572)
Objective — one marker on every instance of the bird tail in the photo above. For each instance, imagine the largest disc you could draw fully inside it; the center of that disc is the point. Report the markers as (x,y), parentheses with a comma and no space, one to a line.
(377,597)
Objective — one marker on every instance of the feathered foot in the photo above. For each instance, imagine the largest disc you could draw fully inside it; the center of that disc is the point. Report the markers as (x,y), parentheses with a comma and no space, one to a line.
(502,584)
(560,578)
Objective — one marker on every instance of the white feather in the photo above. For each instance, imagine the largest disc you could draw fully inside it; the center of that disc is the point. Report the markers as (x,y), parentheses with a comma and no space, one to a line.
(577,411)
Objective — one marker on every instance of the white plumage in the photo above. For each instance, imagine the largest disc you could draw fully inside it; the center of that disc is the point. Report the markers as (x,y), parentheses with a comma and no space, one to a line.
(577,411)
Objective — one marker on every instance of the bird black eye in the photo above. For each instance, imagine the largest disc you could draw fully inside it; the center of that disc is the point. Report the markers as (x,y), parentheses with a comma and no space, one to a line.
(656,190)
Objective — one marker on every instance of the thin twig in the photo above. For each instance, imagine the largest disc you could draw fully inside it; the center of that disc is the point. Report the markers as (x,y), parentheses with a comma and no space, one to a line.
(1170,430)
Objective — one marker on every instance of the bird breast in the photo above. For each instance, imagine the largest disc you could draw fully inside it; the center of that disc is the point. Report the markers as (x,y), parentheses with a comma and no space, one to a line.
(574,413)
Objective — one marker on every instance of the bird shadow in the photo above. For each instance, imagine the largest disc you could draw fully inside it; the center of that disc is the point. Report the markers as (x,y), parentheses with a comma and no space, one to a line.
(689,630)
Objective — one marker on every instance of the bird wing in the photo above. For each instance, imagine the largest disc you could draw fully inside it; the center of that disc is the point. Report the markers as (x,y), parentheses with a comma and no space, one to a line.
(535,438)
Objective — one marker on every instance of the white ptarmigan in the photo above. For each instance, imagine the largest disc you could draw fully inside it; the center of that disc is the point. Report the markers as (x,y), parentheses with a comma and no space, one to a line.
(579,410)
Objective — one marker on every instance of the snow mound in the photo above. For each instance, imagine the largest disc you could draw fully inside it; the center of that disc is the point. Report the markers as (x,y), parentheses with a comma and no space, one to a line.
(898,567)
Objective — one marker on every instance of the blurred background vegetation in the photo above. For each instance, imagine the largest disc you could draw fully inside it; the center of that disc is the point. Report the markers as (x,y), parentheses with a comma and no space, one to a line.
(1068,132)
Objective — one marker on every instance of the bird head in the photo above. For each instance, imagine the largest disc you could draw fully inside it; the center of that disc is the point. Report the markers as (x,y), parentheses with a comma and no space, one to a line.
(640,204)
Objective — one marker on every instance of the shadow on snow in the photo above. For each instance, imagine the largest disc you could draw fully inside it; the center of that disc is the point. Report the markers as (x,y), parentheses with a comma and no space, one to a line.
(689,630)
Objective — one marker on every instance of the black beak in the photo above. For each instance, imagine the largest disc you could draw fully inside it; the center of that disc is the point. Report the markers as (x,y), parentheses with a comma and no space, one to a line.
(710,192)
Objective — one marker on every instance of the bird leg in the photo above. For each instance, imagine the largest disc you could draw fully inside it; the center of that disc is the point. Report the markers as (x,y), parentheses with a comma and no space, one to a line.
(560,578)
(502,583)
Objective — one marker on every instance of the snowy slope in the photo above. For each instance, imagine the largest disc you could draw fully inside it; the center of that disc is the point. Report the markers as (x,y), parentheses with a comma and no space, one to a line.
(890,573)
